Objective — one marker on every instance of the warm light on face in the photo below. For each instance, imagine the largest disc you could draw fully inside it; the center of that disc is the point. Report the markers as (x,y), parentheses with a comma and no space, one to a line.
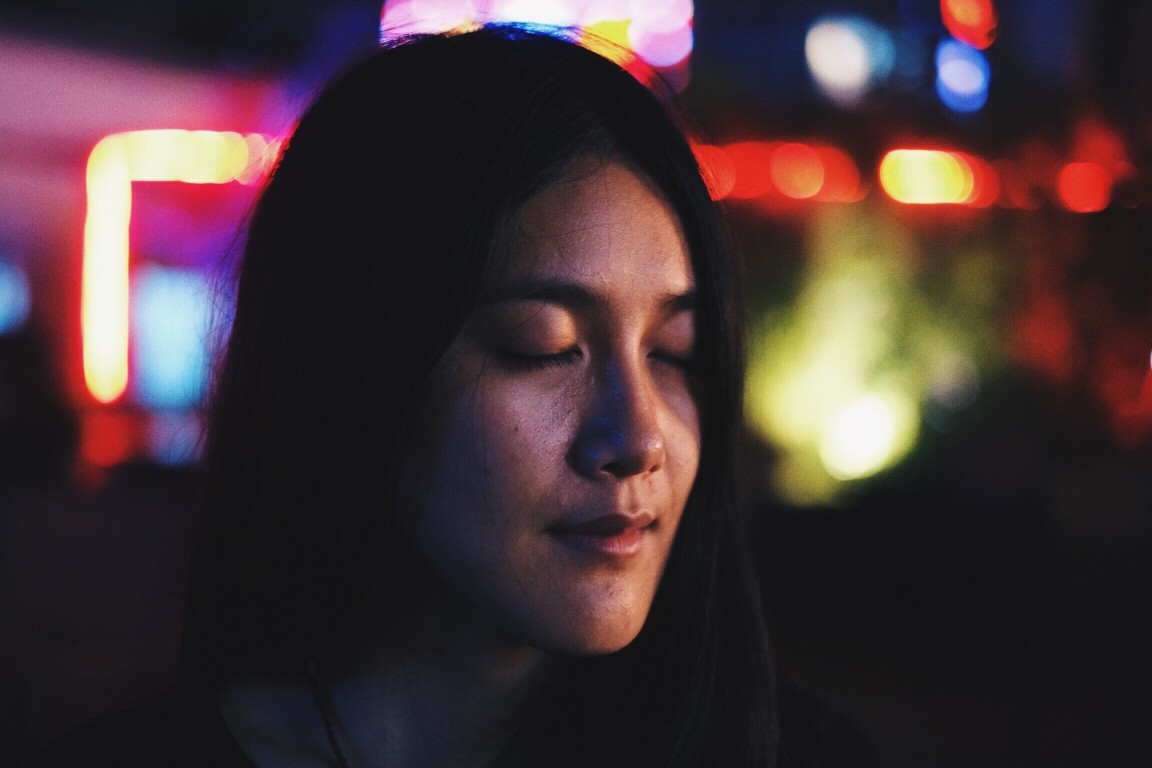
(193,157)
(568,401)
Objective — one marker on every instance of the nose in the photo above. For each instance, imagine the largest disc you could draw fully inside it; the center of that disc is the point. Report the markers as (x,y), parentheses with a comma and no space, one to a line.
(620,435)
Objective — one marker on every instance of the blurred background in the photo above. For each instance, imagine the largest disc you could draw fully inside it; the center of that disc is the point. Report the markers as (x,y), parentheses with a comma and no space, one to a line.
(945,211)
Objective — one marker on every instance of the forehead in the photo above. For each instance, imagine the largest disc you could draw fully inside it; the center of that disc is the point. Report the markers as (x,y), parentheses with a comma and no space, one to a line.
(603,224)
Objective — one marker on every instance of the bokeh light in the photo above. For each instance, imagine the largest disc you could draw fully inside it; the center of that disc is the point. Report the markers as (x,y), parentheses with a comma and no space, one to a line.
(841,176)
(842,373)
(107,437)
(867,434)
(797,170)
(717,169)
(173,438)
(926,176)
(661,48)
(171,318)
(657,32)
(962,76)
(779,170)
(15,297)
(847,56)
(751,161)
(970,21)
(1084,187)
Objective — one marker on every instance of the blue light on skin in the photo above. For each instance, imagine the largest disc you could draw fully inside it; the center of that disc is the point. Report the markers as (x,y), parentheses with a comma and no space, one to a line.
(962,76)
(171,316)
(15,298)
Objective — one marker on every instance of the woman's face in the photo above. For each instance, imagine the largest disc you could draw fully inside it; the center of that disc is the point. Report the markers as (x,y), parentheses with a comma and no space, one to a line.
(567,431)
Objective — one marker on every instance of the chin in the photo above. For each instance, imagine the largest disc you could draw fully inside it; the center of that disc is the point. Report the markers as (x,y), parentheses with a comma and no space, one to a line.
(592,638)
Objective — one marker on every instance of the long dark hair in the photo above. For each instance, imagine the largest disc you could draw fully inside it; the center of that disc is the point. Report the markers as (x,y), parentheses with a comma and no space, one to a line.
(383,224)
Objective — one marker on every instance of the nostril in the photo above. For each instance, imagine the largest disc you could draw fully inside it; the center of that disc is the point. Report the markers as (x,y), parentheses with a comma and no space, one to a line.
(620,436)
(624,456)
(615,469)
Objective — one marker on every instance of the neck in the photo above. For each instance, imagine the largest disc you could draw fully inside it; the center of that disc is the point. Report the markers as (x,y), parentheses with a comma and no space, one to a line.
(442,687)
(460,708)
(448,689)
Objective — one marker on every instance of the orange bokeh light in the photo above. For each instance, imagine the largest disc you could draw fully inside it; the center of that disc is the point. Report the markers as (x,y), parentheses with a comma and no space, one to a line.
(970,21)
(841,176)
(797,171)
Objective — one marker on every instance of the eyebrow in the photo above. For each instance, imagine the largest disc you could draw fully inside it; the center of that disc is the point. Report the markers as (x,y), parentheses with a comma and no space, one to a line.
(577,297)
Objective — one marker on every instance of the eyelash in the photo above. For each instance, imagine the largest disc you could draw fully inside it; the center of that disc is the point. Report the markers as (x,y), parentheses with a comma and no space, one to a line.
(542,362)
(687,364)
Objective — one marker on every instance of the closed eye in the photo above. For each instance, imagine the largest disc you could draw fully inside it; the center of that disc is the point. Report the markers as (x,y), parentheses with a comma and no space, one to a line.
(685,362)
(527,362)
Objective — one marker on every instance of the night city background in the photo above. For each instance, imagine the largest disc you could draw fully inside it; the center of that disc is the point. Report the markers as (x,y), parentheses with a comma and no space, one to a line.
(944,208)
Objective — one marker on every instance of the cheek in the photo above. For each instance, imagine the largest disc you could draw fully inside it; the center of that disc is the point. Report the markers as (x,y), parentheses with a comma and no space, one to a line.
(501,448)
(682,437)
(522,431)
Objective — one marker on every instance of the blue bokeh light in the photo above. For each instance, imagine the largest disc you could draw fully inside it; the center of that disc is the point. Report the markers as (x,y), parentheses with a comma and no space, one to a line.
(171,317)
(15,297)
(962,76)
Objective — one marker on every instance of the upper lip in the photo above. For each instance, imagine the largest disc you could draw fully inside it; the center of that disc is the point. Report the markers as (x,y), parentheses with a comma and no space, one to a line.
(612,524)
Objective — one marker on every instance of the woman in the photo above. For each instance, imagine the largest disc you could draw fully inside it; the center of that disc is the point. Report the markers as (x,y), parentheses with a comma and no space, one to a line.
(469,464)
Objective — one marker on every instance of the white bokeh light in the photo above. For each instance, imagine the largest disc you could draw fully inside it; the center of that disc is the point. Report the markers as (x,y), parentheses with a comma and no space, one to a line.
(847,56)
(865,436)
(560,13)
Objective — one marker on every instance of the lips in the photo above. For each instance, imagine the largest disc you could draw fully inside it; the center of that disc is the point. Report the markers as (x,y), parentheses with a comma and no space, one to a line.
(616,534)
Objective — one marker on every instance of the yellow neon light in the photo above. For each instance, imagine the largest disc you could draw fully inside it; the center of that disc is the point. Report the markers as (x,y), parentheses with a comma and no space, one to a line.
(193,157)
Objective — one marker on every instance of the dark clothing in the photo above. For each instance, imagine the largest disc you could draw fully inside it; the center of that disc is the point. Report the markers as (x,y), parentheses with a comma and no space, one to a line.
(816,733)
(180,729)
(183,729)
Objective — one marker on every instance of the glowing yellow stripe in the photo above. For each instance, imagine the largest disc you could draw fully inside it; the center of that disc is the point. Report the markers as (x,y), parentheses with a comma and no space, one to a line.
(193,157)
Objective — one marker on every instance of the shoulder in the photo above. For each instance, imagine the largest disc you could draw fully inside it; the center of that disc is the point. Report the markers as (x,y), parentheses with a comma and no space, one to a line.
(178,729)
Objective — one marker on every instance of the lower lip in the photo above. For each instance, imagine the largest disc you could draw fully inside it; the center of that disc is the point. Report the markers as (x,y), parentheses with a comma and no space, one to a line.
(619,545)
